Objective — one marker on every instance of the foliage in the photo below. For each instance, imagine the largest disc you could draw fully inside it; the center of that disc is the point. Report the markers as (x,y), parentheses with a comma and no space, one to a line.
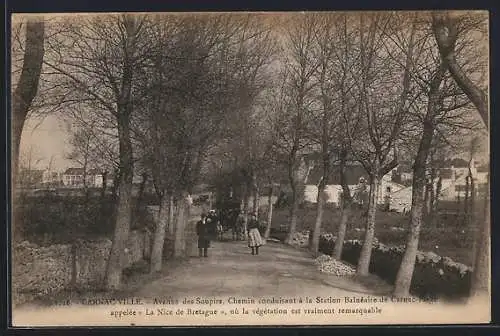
(62,219)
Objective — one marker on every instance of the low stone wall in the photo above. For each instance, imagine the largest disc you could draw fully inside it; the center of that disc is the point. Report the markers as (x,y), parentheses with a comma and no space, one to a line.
(434,276)
(38,271)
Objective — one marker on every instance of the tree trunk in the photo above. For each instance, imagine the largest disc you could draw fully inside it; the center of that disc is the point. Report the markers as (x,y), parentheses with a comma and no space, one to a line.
(446,34)
(180,228)
(159,236)
(171,210)
(116,182)
(27,85)
(126,171)
(405,272)
(210,200)
(472,199)
(437,193)
(104,184)
(124,206)
(427,199)
(432,198)
(269,212)
(480,284)
(140,194)
(346,208)
(339,243)
(466,200)
(85,185)
(255,188)
(319,220)
(366,250)
(244,208)
(25,92)
(293,216)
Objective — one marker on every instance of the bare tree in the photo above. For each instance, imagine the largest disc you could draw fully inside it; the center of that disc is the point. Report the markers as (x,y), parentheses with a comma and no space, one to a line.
(379,105)
(96,71)
(211,60)
(335,42)
(296,103)
(27,86)
(448,29)
(445,114)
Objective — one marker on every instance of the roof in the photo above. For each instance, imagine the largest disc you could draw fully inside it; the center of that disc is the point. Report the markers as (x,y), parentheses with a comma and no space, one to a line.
(457,163)
(483,169)
(80,171)
(446,173)
(353,173)
(74,171)
(404,168)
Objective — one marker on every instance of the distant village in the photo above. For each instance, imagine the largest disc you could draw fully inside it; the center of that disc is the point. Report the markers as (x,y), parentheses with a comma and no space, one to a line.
(395,187)
(41,181)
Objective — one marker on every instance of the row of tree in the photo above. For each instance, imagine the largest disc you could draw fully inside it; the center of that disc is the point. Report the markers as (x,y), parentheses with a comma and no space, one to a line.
(180,97)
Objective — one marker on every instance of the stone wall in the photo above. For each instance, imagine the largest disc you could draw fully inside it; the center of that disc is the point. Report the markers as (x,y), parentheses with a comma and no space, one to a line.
(38,271)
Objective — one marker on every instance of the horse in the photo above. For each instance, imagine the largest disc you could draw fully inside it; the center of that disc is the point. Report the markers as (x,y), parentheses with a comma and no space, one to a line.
(238,228)
(220,231)
(230,222)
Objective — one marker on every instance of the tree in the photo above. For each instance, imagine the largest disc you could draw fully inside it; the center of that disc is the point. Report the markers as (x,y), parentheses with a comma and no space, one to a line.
(381,107)
(28,160)
(82,151)
(27,87)
(447,31)
(196,74)
(446,113)
(404,276)
(294,109)
(96,59)
(334,52)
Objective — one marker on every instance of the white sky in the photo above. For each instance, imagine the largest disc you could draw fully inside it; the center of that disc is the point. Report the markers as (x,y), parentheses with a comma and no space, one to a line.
(48,138)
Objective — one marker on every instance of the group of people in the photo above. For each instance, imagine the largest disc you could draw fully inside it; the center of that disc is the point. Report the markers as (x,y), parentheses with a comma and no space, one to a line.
(208,227)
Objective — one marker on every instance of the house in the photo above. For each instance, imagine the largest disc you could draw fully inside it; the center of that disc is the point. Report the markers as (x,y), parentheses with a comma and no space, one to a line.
(354,173)
(52,178)
(454,179)
(74,177)
(403,174)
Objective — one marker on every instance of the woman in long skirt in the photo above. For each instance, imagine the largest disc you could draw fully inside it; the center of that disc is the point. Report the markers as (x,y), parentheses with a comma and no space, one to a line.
(254,238)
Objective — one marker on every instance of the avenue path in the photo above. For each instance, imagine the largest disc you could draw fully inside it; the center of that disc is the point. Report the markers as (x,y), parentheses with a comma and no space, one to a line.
(230,270)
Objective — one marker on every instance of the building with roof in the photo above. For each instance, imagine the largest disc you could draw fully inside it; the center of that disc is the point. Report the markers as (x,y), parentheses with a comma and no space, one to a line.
(74,177)
(354,173)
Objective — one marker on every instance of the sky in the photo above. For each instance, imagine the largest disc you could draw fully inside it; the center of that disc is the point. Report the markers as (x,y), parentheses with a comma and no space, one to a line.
(46,138)
(49,138)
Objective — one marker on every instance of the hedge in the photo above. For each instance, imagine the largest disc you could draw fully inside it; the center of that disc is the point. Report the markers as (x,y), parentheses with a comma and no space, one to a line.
(62,219)
(434,276)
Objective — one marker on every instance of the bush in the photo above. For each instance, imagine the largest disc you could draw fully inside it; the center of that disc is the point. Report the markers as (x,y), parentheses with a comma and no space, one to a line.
(62,219)
(433,277)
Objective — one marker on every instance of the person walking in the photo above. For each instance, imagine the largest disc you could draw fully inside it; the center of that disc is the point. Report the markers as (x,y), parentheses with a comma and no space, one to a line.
(203,232)
(254,238)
